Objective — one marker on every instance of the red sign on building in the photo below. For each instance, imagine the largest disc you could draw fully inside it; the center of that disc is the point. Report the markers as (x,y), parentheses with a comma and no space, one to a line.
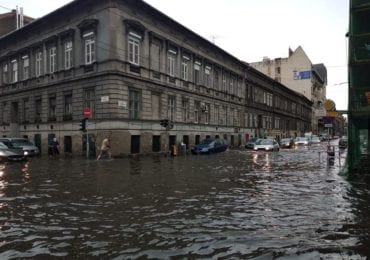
(87,113)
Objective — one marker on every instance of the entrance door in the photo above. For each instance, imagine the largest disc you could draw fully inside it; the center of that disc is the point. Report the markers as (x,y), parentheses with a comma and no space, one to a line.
(38,141)
(135,144)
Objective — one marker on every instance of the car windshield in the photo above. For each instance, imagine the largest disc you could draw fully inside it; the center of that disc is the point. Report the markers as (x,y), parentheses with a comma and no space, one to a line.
(315,138)
(20,142)
(264,141)
(285,140)
(207,141)
(302,139)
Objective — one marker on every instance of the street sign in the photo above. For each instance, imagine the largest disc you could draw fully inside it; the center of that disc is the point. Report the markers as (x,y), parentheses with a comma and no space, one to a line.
(328,125)
(87,112)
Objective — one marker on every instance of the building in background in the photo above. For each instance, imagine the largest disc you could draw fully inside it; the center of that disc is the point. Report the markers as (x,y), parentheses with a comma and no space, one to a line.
(141,78)
(299,74)
(13,20)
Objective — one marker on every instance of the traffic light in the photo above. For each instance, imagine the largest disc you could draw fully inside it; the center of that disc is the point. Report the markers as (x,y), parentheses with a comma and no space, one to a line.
(164,122)
(83,125)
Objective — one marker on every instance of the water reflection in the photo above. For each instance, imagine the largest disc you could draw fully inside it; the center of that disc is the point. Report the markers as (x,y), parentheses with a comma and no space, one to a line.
(237,204)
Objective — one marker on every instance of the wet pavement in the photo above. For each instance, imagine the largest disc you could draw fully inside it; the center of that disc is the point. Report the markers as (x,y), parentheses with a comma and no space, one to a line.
(234,205)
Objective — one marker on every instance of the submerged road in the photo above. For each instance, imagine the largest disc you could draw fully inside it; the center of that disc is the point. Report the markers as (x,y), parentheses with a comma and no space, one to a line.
(236,204)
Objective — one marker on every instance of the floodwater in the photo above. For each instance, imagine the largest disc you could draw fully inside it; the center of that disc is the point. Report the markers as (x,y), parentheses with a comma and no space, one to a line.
(234,205)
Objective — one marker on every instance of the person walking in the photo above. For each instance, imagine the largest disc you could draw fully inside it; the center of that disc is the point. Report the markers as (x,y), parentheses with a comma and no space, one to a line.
(105,149)
(53,147)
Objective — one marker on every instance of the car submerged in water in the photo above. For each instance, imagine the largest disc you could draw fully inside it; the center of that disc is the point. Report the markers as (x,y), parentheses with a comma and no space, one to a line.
(21,143)
(286,143)
(266,145)
(210,145)
(250,143)
(11,154)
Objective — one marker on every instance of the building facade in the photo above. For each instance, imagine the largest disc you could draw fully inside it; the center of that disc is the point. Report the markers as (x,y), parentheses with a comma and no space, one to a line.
(359,86)
(131,66)
(299,74)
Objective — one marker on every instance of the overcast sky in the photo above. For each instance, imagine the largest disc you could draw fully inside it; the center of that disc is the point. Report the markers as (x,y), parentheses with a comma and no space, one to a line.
(252,29)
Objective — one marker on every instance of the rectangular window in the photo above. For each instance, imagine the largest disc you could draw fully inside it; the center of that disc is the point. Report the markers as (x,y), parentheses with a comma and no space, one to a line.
(89,40)
(155,56)
(231,117)
(26,67)
(134,104)
(52,108)
(4,113)
(185,110)
(232,85)
(38,109)
(197,72)
(277,123)
(224,82)
(207,76)
(171,63)
(68,104)
(171,108)
(207,114)
(134,49)
(68,48)
(217,115)
(38,63)
(185,68)
(89,99)
(216,83)
(196,111)
(5,74)
(52,59)
(26,110)
(239,89)
(14,71)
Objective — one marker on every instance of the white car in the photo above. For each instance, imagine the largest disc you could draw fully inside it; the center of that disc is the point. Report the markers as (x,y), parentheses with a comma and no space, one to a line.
(315,140)
(301,141)
(266,145)
(16,142)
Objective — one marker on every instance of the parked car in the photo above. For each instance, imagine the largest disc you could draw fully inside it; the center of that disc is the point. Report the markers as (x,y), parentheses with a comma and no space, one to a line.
(250,143)
(11,154)
(301,141)
(315,139)
(343,142)
(286,143)
(23,143)
(210,145)
(266,145)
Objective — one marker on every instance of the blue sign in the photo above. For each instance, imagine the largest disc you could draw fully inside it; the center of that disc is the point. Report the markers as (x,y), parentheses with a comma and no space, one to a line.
(299,75)
(305,74)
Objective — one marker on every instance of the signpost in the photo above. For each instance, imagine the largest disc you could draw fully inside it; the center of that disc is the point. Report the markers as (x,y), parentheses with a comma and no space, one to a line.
(87,116)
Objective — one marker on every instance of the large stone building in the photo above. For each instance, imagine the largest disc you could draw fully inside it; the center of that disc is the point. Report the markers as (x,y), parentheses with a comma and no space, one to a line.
(299,74)
(132,66)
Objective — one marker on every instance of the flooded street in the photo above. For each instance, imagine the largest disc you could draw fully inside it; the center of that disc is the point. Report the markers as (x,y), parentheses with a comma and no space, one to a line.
(236,204)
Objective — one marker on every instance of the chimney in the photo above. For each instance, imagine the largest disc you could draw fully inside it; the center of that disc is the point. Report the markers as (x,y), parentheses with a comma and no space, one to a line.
(290,52)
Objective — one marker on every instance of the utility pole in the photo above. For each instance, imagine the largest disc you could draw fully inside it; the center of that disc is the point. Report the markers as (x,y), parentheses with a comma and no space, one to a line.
(87,140)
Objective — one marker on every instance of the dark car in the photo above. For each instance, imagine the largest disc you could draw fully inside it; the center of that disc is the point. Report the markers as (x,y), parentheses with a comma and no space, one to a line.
(343,142)
(286,143)
(11,154)
(210,145)
(250,143)
(23,143)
